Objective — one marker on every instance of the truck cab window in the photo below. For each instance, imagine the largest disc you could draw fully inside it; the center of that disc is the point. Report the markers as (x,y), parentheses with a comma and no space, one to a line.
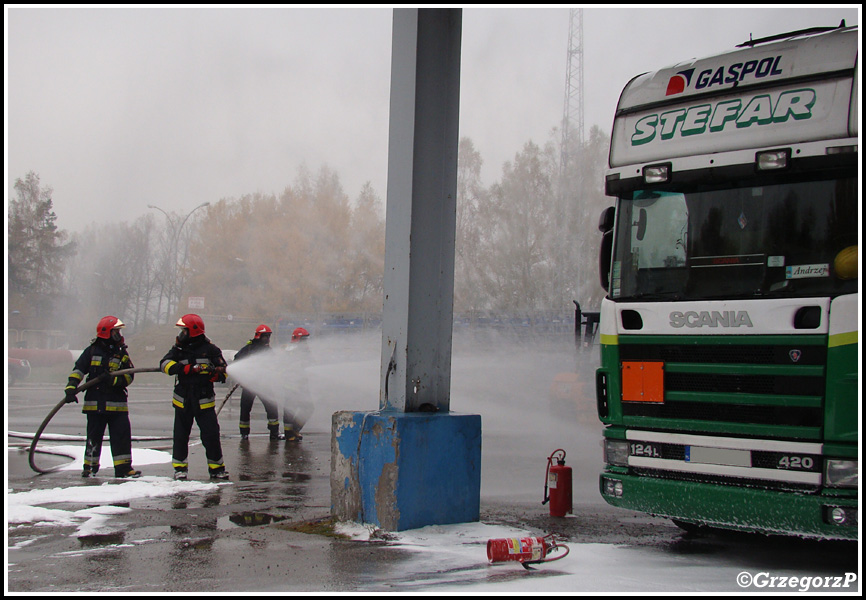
(749,242)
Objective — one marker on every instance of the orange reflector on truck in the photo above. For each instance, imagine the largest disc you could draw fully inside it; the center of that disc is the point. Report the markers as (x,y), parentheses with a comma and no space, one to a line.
(643,381)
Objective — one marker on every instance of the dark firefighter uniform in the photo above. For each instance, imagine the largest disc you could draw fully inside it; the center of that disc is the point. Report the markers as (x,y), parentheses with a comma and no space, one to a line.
(299,398)
(259,343)
(196,364)
(105,403)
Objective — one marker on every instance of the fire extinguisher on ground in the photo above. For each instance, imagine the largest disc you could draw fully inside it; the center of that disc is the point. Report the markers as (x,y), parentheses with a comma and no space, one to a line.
(527,550)
(558,480)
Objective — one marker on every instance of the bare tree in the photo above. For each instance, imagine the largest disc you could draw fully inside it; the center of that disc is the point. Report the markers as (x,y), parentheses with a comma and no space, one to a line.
(366,237)
(583,206)
(521,214)
(114,274)
(471,278)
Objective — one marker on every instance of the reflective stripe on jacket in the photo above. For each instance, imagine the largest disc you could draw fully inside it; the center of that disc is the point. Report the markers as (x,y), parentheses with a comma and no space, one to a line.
(193,386)
(100,358)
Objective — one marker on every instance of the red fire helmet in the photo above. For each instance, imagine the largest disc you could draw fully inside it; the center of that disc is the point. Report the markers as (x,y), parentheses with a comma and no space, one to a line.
(106,324)
(192,322)
(300,334)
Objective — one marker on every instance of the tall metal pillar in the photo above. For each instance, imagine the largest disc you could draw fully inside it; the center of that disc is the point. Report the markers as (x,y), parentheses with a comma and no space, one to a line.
(413,462)
(421,210)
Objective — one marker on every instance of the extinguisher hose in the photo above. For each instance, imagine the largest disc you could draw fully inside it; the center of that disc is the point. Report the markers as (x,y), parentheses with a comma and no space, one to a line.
(554,545)
(546,498)
(563,555)
(60,405)
(547,473)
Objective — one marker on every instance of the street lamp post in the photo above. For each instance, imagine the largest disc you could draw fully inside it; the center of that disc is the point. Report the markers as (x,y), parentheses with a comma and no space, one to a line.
(174,287)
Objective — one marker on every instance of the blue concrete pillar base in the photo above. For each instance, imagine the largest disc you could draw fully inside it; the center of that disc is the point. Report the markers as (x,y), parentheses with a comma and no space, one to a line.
(402,471)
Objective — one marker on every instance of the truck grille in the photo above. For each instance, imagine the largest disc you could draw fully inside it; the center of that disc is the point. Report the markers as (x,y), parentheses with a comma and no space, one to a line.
(768,386)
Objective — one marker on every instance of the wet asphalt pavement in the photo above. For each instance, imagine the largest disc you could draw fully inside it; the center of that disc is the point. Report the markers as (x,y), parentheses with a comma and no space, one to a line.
(266,529)
(239,537)
(242,536)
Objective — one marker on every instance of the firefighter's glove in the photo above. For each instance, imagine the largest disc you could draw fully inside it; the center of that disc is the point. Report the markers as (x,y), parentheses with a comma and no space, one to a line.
(219,375)
(70,395)
(202,369)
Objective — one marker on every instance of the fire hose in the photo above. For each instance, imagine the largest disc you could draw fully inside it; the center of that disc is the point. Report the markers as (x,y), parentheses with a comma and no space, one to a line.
(60,405)
(83,387)
(226,399)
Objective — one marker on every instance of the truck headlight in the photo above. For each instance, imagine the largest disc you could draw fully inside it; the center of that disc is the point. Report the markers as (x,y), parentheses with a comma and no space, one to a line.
(840,515)
(616,452)
(611,487)
(841,473)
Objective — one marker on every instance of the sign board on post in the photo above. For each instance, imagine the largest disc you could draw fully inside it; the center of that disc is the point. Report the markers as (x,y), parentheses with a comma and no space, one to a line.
(196,302)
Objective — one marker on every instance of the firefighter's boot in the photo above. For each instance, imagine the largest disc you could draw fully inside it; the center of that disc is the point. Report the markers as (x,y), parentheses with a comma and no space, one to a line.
(219,474)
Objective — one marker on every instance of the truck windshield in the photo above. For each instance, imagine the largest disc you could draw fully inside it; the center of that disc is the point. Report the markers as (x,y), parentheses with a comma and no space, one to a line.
(792,239)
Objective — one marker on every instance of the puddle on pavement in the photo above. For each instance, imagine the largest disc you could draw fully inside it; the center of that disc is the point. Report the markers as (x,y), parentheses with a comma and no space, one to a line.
(295,476)
(270,477)
(203,543)
(249,519)
(101,539)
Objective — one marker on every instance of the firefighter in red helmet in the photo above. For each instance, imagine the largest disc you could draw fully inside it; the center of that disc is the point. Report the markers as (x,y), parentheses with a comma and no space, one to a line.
(105,403)
(298,403)
(300,334)
(196,363)
(261,342)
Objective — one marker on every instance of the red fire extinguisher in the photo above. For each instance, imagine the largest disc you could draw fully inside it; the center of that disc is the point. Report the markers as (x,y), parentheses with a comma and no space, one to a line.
(558,479)
(526,551)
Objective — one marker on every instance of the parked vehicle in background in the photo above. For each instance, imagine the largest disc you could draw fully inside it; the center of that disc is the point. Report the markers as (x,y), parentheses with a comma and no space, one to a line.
(18,369)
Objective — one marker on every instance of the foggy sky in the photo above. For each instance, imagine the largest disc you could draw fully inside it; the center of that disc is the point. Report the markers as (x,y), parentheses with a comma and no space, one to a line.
(118,108)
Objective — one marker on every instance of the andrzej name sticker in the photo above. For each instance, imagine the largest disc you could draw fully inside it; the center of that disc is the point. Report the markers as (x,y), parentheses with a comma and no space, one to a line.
(803,271)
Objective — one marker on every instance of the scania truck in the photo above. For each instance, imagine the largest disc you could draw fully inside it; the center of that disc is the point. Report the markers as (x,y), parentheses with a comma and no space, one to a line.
(728,386)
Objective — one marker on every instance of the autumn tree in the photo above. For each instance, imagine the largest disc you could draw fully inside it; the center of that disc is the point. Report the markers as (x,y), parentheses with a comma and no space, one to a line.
(307,251)
(227,264)
(366,265)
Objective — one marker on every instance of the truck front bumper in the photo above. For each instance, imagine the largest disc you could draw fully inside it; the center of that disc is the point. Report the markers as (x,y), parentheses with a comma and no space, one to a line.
(731,507)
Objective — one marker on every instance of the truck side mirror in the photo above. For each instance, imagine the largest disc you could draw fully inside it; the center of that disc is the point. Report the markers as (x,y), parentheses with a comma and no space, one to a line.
(604,259)
(605,221)
(605,226)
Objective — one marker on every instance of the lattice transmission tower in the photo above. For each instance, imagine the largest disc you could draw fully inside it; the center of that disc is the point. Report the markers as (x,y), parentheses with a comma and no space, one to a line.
(572,118)
(572,143)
